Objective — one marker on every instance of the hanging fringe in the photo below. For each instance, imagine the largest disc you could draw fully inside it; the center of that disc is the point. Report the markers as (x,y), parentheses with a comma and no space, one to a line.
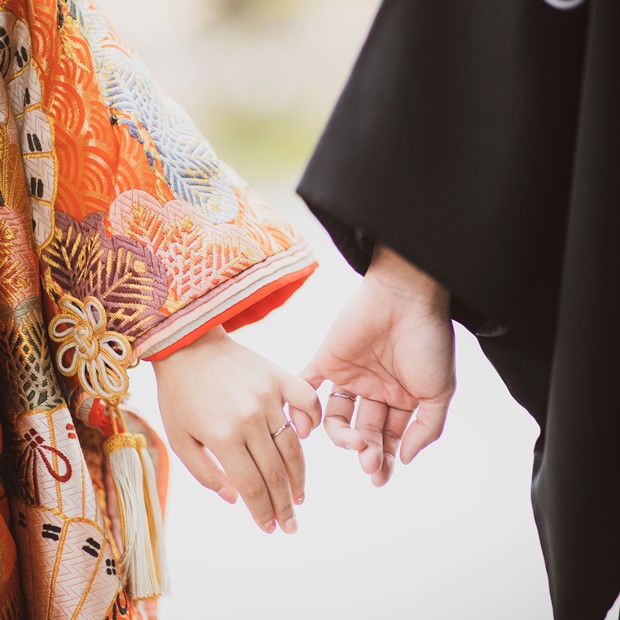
(154,512)
(138,565)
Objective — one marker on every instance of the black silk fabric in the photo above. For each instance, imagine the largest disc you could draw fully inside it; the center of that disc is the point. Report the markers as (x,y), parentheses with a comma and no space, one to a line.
(481,140)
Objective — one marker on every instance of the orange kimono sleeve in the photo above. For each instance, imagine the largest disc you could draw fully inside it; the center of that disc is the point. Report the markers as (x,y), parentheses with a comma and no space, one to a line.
(131,206)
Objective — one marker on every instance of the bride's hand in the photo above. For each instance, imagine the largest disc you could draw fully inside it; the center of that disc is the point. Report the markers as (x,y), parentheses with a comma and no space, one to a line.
(221,403)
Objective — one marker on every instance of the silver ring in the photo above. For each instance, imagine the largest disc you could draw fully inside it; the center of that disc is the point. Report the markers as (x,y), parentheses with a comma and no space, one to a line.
(274,435)
(343,395)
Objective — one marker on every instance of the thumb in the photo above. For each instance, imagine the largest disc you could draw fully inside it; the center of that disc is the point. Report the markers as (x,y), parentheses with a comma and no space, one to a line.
(424,430)
(312,375)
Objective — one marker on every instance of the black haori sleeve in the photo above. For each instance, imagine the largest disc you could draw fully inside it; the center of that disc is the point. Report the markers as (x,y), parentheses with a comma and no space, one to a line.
(453,144)
(481,140)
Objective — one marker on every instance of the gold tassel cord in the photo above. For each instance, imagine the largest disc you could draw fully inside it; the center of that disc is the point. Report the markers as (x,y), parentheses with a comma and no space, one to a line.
(100,358)
(154,512)
(138,565)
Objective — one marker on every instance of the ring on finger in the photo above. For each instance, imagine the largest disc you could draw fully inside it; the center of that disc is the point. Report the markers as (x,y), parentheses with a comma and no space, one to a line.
(344,395)
(274,435)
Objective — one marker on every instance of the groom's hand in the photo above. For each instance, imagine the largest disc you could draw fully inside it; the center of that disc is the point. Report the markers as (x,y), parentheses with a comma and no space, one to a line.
(392,345)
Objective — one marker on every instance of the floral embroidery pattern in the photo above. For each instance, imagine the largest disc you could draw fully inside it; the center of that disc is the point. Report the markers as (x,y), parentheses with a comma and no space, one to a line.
(96,355)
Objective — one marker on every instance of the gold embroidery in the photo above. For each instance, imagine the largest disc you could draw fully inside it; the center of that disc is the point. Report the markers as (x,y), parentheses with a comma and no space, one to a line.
(25,362)
(97,356)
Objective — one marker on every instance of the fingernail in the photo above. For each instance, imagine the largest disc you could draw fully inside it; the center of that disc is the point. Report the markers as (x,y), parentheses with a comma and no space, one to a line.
(290,527)
(300,498)
(270,526)
(227,494)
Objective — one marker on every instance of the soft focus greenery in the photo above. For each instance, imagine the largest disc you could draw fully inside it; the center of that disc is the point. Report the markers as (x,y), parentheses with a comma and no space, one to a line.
(265,47)
(252,10)
(267,147)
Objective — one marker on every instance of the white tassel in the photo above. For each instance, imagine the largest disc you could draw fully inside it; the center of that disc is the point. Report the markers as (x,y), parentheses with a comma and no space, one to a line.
(154,512)
(137,562)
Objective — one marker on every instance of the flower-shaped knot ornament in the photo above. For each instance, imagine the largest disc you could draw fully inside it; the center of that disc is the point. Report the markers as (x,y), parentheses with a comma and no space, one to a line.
(97,356)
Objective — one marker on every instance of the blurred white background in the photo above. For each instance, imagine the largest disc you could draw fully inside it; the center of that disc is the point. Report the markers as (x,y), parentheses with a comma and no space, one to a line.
(453,534)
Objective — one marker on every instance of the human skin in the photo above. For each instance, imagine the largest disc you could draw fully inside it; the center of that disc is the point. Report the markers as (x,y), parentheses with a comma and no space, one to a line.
(392,344)
(220,402)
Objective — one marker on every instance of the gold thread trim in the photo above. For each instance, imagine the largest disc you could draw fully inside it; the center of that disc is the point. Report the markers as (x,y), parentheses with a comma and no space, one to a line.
(98,357)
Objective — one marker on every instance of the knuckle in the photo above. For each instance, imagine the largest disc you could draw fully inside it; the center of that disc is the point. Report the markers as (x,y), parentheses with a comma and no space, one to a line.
(336,420)
(265,393)
(254,491)
(370,428)
(391,435)
(253,417)
(277,479)
(223,437)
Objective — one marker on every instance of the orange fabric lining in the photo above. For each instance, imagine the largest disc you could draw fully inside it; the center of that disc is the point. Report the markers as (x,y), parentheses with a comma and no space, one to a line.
(248,310)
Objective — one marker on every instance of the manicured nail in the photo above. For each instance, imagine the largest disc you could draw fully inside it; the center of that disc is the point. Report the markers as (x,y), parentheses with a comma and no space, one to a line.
(270,526)
(300,498)
(290,527)
(227,494)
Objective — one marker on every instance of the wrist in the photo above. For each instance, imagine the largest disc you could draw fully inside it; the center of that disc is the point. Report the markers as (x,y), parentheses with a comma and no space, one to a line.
(211,339)
(390,270)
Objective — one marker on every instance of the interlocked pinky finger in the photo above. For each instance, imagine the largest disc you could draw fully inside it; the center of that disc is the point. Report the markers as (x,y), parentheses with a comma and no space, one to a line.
(304,404)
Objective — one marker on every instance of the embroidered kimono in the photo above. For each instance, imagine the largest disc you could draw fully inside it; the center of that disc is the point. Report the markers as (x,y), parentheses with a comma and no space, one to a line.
(122,237)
